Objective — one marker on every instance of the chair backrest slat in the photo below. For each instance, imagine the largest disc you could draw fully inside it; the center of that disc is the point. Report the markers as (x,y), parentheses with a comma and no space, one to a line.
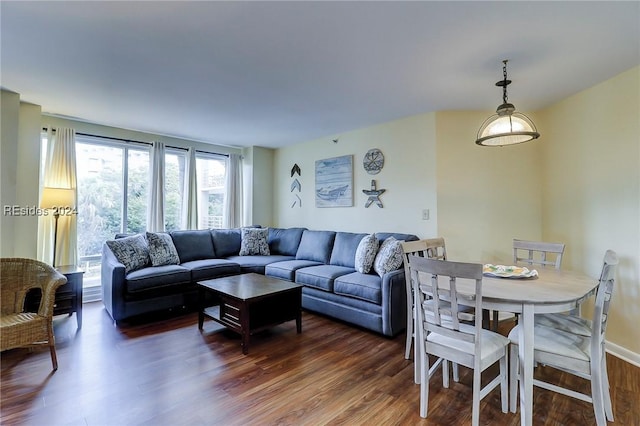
(431,248)
(536,253)
(441,314)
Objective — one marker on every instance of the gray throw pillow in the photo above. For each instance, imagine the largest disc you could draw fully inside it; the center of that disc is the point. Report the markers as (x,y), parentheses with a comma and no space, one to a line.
(132,252)
(162,251)
(254,241)
(389,257)
(366,253)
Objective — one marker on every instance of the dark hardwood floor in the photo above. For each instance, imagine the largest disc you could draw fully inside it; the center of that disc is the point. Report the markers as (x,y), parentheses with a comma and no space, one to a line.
(168,373)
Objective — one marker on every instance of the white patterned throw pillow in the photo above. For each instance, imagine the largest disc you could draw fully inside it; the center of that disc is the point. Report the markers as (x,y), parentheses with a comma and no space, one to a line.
(132,252)
(389,257)
(366,253)
(162,251)
(254,241)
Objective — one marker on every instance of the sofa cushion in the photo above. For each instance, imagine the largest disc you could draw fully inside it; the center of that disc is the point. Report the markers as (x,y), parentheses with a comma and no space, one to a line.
(362,286)
(389,257)
(254,241)
(227,242)
(284,241)
(316,246)
(193,244)
(321,276)
(286,270)
(257,263)
(156,277)
(366,254)
(162,251)
(206,269)
(132,252)
(344,248)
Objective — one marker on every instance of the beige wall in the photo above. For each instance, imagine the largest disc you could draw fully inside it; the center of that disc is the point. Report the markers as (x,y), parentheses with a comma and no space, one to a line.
(579,183)
(408,176)
(20,165)
(9,123)
(486,195)
(257,177)
(28,176)
(591,192)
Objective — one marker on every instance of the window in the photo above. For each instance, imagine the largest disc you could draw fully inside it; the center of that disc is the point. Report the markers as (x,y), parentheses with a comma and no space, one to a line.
(174,176)
(104,169)
(210,172)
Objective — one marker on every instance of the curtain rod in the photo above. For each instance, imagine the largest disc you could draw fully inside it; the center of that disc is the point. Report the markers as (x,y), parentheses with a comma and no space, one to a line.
(134,141)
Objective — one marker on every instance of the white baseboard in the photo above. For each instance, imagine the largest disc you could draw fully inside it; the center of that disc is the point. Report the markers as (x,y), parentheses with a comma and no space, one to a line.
(622,353)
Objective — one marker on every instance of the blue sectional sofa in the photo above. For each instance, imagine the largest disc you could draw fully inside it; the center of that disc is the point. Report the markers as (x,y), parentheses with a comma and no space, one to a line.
(323,261)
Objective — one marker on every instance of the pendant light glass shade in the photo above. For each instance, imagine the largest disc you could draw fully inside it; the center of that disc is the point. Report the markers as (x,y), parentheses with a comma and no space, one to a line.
(506,127)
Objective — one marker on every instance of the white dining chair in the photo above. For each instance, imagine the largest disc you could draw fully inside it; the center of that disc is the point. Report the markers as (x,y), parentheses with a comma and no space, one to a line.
(441,333)
(567,348)
(534,253)
(537,253)
(431,248)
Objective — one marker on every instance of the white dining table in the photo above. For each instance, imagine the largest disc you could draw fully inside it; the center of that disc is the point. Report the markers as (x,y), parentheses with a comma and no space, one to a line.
(552,291)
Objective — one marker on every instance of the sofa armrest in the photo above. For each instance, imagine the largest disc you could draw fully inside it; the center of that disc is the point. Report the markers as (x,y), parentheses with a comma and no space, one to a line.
(394,303)
(113,283)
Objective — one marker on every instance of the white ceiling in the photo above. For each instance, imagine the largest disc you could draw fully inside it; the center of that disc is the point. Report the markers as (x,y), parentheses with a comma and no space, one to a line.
(277,73)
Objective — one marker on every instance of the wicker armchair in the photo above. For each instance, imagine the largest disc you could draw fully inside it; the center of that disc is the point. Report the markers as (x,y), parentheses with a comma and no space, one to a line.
(19,328)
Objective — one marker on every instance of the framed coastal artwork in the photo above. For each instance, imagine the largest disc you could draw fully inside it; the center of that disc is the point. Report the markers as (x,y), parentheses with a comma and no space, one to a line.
(334,182)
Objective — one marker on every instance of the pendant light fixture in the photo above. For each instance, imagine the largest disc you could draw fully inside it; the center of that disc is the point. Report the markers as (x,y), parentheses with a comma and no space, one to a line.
(506,127)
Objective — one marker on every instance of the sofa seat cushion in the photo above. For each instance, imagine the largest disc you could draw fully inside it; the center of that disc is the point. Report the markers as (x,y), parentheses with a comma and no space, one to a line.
(211,268)
(362,286)
(155,277)
(321,276)
(287,270)
(324,298)
(257,263)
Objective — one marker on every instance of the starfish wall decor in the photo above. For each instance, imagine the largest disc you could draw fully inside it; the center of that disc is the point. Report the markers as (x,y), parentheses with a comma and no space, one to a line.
(374,195)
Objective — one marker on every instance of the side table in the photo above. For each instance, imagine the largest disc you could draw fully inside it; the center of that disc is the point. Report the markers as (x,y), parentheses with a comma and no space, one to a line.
(69,296)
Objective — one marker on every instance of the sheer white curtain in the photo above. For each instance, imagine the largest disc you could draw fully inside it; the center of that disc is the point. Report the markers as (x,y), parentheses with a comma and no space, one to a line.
(60,172)
(233,194)
(155,209)
(190,201)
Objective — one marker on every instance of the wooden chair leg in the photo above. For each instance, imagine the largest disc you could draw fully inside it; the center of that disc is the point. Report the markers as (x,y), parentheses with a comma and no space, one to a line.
(52,347)
(494,324)
(410,336)
(514,365)
(605,389)
(597,396)
(445,373)
(424,384)
(475,407)
(504,398)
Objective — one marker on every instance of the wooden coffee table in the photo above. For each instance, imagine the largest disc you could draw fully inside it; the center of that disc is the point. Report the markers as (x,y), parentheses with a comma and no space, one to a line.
(250,303)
